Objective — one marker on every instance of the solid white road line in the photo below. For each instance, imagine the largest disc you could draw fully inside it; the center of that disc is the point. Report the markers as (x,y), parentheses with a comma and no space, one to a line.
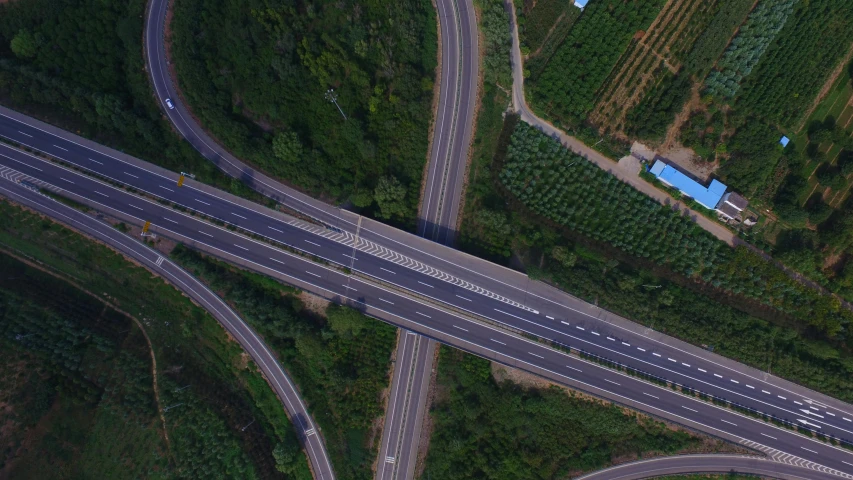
(511,315)
(428,285)
(199,201)
(93,160)
(27,134)
(540,356)
(386,301)
(496,341)
(730,423)
(57,146)
(313,243)
(422,314)
(277,230)
(164,188)
(132,175)
(389,271)
(239,246)
(688,408)
(768,436)
(239,216)
(650,395)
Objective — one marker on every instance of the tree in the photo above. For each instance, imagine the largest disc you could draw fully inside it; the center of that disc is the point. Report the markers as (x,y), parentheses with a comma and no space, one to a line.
(287,147)
(390,195)
(24,44)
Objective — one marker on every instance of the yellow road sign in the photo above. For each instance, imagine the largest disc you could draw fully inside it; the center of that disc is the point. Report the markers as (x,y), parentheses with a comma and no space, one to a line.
(180,180)
(145,228)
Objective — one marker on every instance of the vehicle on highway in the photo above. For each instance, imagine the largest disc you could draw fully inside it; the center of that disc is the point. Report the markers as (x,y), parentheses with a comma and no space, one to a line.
(170,104)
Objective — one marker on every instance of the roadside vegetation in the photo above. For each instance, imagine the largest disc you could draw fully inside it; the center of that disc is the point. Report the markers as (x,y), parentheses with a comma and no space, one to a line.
(256,74)
(338,357)
(485,428)
(198,366)
(735,319)
(78,64)
(542,27)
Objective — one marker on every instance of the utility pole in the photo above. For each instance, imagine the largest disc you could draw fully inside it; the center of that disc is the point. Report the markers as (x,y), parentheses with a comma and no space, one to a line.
(333,97)
(247,426)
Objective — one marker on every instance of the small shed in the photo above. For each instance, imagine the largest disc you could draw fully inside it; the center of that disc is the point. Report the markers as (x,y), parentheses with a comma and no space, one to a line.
(784,141)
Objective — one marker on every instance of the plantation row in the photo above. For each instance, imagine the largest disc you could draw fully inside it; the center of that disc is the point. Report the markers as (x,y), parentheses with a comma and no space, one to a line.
(568,85)
(567,189)
(795,68)
(748,46)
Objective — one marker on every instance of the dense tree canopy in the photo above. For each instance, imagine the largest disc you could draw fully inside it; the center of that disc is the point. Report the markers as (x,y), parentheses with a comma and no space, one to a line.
(257,73)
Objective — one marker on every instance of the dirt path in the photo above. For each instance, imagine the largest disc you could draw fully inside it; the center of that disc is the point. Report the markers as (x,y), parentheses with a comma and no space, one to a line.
(547,36)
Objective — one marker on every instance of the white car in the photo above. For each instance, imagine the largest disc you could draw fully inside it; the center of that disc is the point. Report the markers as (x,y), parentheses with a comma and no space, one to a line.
(169,104)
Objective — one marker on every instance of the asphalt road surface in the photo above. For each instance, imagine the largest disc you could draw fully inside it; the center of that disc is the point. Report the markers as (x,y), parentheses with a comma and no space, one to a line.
(454,121)
(305,427)
(439,213)
(719,464)
(562,318)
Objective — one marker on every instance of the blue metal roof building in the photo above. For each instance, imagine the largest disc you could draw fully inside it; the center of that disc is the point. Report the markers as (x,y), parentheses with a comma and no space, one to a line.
(581,3)
(709,197)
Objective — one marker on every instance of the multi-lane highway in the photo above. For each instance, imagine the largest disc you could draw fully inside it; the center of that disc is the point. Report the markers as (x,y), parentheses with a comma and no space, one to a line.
(422,292)
(305,427)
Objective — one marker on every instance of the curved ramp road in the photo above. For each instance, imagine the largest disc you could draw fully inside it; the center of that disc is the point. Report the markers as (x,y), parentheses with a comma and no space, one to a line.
(720,464)
(440,204)
(464,331)
(454,121)
(544,313)
(305,427)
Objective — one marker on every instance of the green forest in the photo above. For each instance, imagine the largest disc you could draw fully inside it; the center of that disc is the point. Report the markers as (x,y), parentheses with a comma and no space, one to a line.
(490,430)
(78,64)
(632,286)
(340,361)
(199,366)
(256,74)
